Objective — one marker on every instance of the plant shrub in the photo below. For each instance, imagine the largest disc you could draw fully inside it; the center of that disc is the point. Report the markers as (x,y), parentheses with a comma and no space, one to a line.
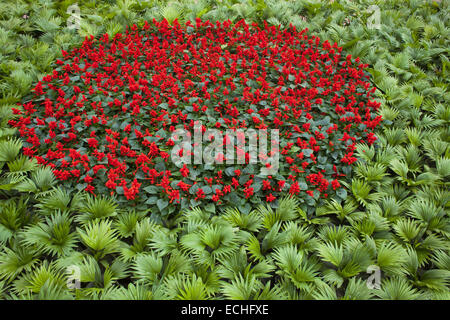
(103,119)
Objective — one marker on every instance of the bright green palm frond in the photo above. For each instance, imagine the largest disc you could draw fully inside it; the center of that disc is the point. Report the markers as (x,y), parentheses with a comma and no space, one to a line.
(253,246)
(273,239)
(334,234)
(430,216)
(177,263)
(99,207)
(287,208)
(211,243)
(442,259)
(434,194)
(343,212)
(233,265)
(42,180)
(59,200)
(386,155)
(119,269)
(365,152)
(172,11)
(434,279)
(398,289)
(271,293)
(407,229)
(163,241)
(434,146)
(196,218)
(136,291)
(100,279)
(145,230)
(324,291)
(99,237)
(13,262)
(261,269)
(388,207)
(195,9)
(184,287)
(443,167)
(288,258)
(21,165)
(210,278)
(357,289)
(299,235)
(331,252)
(147,267)
(411,156)
(126,223)
(292,264)
(14,215)
(241,288)
(394,136)
(250,222)
(359,256)
(52,237)
(52,290)
(371,173)
(363,192)
(44,275)
(9,149)
(414,135)
(269,216)
(390,258)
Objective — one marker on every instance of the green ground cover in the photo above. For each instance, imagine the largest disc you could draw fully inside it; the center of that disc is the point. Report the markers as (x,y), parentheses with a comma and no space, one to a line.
(394,215)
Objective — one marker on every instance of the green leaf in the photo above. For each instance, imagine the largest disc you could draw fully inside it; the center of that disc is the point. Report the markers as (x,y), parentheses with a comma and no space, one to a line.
(151,189)
(341,193)
(162,204)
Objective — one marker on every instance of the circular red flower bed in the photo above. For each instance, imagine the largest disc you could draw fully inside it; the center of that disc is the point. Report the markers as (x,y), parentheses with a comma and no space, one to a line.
(103,119)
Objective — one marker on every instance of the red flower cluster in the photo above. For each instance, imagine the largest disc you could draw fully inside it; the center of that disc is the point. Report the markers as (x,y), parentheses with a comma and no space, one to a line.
(103,119)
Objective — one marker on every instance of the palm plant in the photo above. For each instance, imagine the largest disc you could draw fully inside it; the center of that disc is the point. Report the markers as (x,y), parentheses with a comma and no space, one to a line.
(100,238)
(392,214)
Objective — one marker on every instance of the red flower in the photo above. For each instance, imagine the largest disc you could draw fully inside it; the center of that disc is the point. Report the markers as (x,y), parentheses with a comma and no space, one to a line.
(129,95)
(248,192)
(93,143)
(289,160)
(174,195)
(184,171)
(295,188)
(130,193)
(111,184)
(306,126)
(183,186)
(335,184)
(89,188)
(371,138)
(234,183)
(266,185)
(200,194)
